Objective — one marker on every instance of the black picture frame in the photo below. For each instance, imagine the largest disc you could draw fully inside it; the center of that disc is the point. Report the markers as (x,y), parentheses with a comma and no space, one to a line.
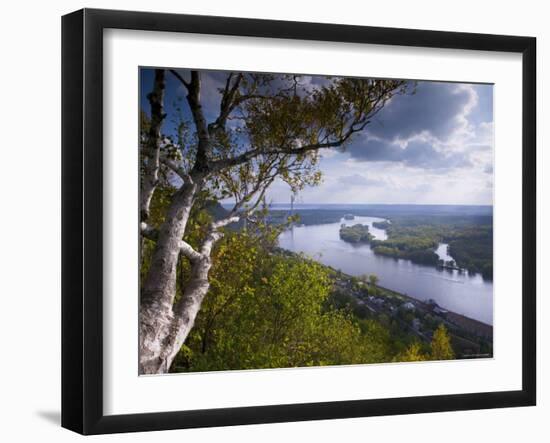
(82,218)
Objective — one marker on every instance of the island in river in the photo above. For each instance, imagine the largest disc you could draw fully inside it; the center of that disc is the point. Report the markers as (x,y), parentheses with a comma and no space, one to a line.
(356,233)
(418,249)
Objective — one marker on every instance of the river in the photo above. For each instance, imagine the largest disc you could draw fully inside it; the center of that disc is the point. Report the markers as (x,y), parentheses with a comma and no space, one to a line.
(463,293)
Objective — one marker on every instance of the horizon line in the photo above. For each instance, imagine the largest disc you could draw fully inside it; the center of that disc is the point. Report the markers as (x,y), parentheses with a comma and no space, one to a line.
(388,204)
(378,204)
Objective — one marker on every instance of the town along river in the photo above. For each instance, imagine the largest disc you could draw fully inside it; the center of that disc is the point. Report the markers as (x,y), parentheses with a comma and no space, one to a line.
(461,292)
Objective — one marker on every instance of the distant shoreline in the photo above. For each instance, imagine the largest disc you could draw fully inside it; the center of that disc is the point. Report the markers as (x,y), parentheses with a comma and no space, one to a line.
(382,204)
(337,206)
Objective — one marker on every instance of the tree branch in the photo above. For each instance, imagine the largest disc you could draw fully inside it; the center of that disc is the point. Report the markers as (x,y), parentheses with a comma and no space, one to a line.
(229,101)
(174,166)
(148,231)
(249,155)
(187,250)
(214,234)
(193,98)
(150,176)
(180,78)
(224,222)
(369,100)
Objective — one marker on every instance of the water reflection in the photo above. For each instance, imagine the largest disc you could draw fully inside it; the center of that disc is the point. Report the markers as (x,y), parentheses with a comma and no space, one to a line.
(443,252)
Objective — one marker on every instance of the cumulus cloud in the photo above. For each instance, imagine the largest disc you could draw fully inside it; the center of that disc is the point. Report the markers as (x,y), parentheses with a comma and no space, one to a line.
(436,108)
(416,153)
(441,126)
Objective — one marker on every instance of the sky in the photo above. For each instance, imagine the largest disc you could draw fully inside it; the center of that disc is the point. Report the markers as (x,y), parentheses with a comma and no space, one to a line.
(431,147)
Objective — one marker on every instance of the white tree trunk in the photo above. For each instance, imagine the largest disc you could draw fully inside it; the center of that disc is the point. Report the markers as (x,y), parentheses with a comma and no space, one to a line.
(164,331)
(186,310)
(150,176)
(159,289)
(164,325)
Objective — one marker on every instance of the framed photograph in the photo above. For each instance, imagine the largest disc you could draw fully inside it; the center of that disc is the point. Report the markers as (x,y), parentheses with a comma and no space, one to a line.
(270,221)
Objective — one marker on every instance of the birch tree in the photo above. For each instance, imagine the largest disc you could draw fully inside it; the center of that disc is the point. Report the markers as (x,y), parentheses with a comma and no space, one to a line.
(267,128)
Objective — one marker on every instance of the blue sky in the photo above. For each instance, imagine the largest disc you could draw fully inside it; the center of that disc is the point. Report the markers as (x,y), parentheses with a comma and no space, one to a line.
(431,147)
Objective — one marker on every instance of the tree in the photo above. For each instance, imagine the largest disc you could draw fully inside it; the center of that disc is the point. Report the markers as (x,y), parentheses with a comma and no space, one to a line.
(412,353)
(441,344)
(267,127)
(373,281)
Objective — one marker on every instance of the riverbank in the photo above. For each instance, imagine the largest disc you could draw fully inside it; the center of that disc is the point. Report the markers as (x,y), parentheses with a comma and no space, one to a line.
(469,337)
(416,318)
